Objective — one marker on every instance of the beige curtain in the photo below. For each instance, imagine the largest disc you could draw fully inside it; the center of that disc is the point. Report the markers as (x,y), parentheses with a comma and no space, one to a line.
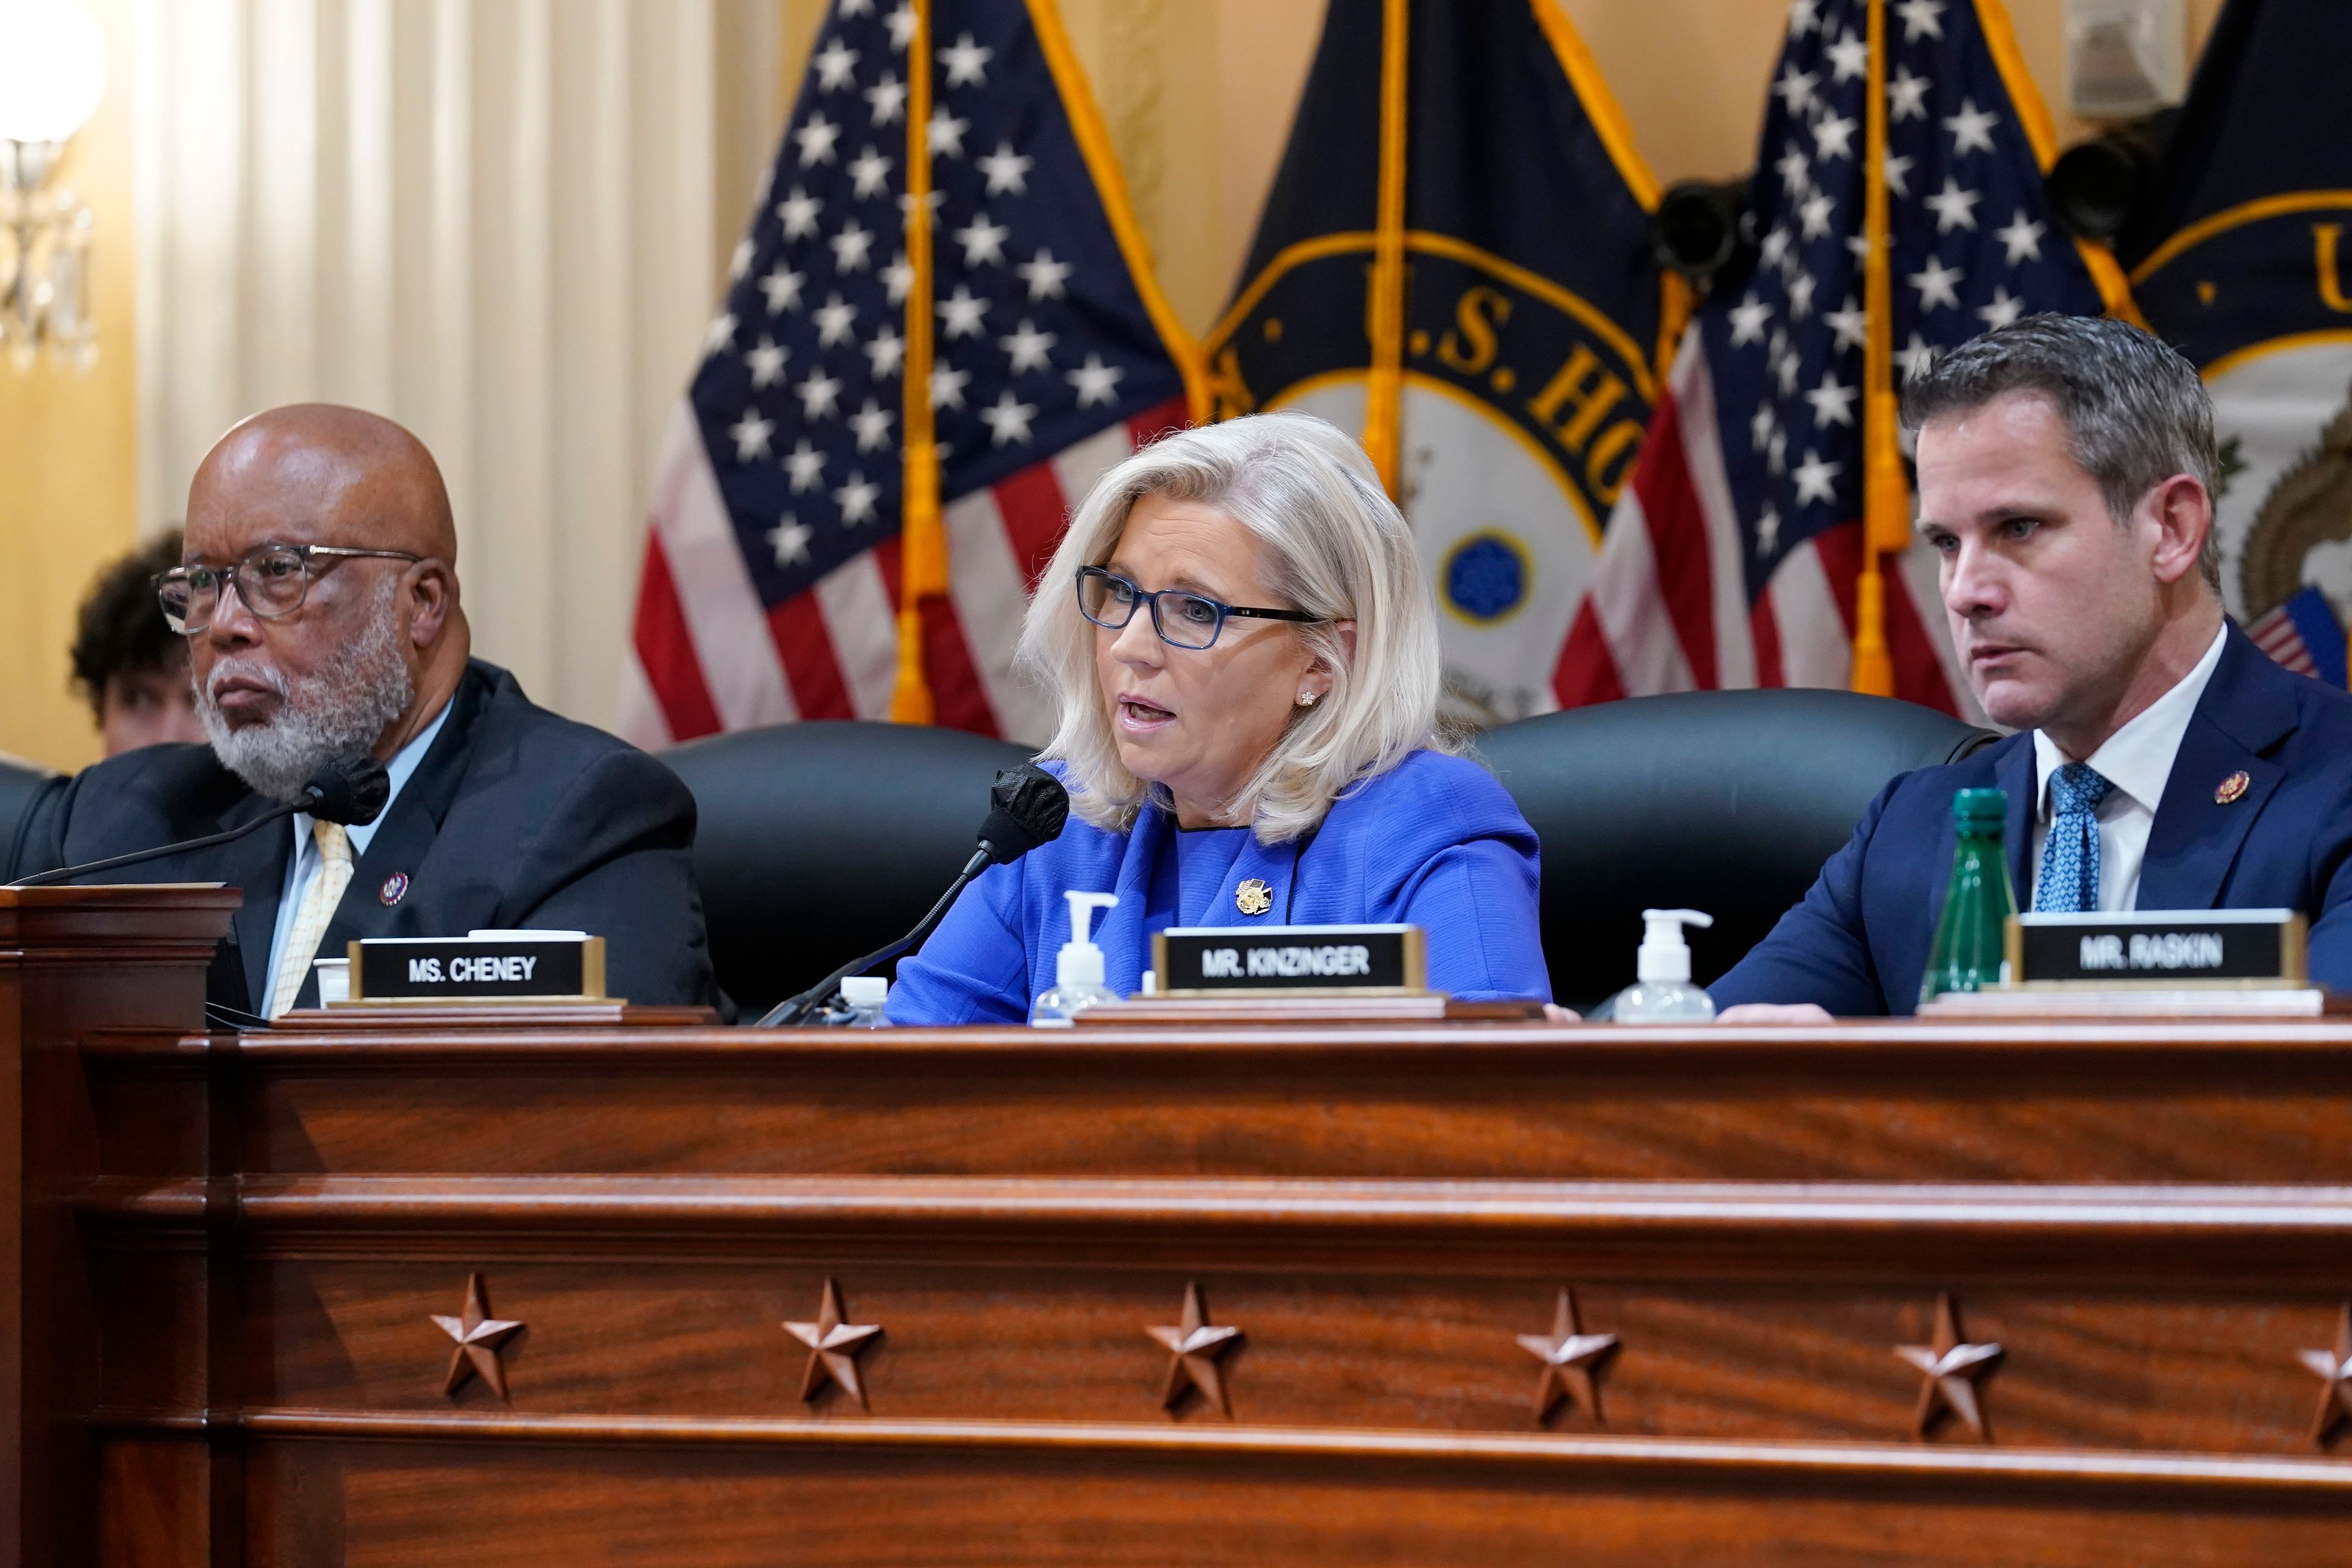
(501,221)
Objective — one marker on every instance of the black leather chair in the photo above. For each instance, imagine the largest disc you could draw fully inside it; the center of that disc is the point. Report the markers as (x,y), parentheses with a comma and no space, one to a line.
(821,841)
(1722,801)
(20,785)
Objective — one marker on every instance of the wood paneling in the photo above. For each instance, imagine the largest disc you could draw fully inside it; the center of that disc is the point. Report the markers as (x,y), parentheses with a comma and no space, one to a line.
(495,1506)
(2152,1222)
(2209,1101)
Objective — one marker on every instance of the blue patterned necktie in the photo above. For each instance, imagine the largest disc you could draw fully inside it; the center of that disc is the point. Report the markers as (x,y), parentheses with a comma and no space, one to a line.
(2070,856)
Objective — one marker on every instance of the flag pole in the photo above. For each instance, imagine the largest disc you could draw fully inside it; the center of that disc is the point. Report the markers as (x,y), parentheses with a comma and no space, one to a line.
(1384,392)
(923,544)
(1885,496)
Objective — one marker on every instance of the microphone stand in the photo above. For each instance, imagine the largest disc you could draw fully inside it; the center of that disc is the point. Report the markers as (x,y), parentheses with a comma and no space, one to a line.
(792,1009)
(275,814)
(350,790)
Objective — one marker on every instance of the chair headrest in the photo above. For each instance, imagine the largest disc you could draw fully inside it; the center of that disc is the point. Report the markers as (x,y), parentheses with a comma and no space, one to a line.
(820,841)
(1723,801)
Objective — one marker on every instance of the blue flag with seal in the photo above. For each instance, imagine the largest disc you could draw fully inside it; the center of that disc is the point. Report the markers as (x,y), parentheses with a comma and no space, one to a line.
(1455,261)
(2239,260)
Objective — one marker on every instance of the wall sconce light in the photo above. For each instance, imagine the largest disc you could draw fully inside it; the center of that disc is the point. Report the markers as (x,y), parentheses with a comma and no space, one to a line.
(52,70)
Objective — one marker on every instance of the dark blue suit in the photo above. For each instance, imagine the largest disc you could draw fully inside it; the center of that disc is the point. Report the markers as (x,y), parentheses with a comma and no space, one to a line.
(1858,944)
(516,816)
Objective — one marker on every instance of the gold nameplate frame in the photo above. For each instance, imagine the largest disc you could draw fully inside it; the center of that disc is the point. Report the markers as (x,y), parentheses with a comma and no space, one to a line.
(1291,960)
(2171,950)
(476,971)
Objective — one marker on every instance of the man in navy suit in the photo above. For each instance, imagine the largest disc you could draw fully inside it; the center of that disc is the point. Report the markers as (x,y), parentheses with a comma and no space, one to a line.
(2066,476)
(318,597)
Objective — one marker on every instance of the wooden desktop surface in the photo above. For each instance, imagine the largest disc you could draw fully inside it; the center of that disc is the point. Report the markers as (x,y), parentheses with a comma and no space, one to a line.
(2152,1222)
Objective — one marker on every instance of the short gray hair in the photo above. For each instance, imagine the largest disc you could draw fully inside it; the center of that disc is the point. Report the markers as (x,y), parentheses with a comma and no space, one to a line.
(2136,413)
(1338,548)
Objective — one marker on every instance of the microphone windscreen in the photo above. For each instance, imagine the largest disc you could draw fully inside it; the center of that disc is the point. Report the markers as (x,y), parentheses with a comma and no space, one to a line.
(1028,807)
(350,790)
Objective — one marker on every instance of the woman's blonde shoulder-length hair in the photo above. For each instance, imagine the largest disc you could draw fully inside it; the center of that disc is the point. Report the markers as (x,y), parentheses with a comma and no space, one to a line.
(1338,549)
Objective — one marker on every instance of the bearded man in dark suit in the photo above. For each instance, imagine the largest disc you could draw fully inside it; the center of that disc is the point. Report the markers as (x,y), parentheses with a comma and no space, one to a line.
(319,594)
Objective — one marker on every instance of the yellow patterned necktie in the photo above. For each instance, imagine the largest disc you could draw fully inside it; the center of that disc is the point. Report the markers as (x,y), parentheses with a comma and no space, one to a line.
(318,904)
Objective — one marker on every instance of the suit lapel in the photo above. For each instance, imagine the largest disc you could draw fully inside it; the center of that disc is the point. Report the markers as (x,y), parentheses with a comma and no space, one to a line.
(2016,775)
(256,865)
(1122,930)
(2009,764)
(410,825)
(2246,710)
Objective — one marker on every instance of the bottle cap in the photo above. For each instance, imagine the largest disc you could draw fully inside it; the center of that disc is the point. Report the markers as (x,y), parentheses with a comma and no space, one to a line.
(1664,957)
(1080,962)
(1979,810)
(865,990)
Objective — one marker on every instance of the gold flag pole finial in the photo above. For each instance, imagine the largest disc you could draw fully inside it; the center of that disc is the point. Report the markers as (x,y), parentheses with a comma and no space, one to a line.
(1384,318)
(923,545)
(1885,496)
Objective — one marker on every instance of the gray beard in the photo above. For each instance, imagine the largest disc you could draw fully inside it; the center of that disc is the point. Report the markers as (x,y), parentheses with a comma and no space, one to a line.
(332,713)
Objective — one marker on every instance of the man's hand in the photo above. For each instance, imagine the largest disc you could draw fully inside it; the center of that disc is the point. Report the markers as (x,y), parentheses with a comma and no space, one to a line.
(1774,1013)
(1556,1013)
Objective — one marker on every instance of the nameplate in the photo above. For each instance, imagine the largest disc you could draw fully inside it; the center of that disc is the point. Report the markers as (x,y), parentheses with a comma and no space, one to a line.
(520,968)
(2158,947)
(1197,960)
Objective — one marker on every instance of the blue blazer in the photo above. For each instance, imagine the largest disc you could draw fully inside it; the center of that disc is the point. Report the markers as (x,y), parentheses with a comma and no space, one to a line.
(1858,944)
(1433,842)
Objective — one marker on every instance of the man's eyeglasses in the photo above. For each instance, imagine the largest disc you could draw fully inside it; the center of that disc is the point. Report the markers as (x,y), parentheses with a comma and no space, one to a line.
(273,580)
(1181,619)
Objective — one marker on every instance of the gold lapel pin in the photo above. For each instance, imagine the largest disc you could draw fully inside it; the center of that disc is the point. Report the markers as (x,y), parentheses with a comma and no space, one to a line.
(2234,786)
(1253,897)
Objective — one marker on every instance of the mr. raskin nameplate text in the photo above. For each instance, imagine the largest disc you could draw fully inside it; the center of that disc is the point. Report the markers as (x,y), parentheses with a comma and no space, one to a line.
(477,969)
(1196,961)
(2163,947)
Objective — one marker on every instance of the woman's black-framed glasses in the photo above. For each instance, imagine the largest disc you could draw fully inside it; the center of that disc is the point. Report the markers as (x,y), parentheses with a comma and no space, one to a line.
(1181,619)
(273,580)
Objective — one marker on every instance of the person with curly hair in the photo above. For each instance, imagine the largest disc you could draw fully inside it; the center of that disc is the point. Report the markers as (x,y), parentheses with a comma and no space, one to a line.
(128,663)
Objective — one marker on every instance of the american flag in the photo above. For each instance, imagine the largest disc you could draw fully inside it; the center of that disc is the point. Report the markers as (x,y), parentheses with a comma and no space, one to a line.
(2304,636)
(771,577)
(1733,556)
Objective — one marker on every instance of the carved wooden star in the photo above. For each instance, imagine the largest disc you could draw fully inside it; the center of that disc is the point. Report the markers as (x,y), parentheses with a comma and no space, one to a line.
(1194,1347)
(2335,1370)
(833,1346)
(1949,1369)
(1571,1360)
(478,1337)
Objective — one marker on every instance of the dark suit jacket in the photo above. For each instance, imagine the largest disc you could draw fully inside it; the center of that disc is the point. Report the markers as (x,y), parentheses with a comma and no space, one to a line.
(515,816)
(1858,944)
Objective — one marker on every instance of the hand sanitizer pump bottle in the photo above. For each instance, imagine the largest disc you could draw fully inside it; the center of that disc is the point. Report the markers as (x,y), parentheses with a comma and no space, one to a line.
(1077,969)
(1663,994)
(865,996)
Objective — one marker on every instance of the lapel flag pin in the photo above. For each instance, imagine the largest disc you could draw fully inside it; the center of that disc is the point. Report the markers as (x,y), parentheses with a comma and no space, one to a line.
(1252,897)
(2232,787)
(394,889)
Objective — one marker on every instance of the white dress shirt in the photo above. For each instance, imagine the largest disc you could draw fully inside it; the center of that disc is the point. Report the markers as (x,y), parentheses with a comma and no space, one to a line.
(305,862)
(2137,760)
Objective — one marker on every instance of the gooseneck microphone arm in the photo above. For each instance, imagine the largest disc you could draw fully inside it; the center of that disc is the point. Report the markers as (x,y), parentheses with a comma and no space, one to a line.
(1028,807)
(350,790)
(67,873)
(792,1009)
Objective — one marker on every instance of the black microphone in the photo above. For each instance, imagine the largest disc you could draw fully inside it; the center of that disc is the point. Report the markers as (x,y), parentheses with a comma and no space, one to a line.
(1027,806)
(350,790)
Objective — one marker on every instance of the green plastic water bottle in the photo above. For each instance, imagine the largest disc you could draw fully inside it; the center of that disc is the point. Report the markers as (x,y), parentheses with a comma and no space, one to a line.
(1970,950)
